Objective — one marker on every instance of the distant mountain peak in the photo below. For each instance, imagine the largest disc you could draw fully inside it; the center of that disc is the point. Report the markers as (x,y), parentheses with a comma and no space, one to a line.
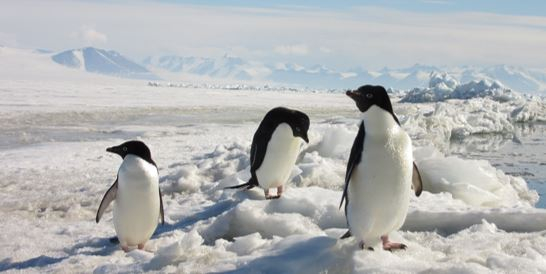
(102,61)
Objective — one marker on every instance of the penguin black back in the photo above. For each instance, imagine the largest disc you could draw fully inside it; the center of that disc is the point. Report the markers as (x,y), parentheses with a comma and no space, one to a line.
(297,120)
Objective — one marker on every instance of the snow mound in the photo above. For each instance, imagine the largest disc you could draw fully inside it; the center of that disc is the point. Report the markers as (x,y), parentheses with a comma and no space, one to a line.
(442,87)
(475,182)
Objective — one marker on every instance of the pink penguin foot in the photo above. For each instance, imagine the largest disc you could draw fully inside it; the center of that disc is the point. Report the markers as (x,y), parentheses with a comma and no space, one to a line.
(270,197)
(125,248)
(390,246)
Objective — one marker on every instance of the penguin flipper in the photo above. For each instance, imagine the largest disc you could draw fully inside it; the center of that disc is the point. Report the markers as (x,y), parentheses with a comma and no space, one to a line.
(161,211)
(354,159)
(107,199)
(416,181)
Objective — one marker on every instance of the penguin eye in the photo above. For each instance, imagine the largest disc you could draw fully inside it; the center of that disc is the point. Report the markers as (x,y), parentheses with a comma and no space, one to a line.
(124,148)
(298,129)
(369,95)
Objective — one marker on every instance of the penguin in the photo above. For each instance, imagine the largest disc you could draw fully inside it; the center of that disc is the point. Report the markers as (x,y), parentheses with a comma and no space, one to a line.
(381,172)
(139,205)
(275,148)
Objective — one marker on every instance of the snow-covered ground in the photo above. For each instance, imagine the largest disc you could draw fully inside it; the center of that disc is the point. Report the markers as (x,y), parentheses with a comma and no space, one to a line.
(471,218)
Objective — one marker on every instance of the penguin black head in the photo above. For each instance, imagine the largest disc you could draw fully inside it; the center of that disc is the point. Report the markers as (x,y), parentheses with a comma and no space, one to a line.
(136,148)
(367,96)
(297,120)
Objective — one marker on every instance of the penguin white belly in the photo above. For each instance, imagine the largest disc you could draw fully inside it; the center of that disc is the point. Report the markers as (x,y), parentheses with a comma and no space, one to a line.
(380,187)
(136,209)
(280,157)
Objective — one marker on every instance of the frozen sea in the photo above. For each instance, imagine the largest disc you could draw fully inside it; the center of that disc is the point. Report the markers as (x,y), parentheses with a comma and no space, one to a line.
(478,159)
(521,155)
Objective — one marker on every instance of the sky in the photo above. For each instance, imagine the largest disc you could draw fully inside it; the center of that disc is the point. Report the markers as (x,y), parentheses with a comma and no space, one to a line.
(338,34)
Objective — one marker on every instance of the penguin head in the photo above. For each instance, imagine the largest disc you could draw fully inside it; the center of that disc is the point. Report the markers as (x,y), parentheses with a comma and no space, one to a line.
(136,148)
(297,120)
(367,96)
(300,125)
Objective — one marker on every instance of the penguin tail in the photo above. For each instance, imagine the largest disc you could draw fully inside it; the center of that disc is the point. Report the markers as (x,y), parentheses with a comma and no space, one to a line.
(248,185)
(346,235)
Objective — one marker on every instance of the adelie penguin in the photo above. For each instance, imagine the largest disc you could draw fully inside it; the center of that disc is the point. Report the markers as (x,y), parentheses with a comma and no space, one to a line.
(138,204)
(275,148)
(380,172)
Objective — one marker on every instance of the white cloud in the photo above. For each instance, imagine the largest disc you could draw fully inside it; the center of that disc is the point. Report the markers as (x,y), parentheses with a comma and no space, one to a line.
(325,50)
(92,36)
(292,49)
(8,39)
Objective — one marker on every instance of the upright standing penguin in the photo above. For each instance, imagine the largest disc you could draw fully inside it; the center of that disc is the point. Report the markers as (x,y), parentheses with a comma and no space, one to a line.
(138,205)
(380,172)
(275,148)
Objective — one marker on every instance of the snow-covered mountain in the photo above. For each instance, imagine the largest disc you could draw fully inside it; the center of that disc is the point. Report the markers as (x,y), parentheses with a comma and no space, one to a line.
(101,61)
(319,76)
(235,69)
(224,67)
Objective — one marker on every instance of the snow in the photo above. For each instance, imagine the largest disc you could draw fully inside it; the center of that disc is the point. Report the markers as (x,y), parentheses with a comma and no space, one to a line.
(471,218)
(81,60)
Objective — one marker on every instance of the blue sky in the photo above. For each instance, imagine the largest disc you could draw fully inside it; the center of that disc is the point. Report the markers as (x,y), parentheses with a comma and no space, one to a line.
(338,34)
(513,7)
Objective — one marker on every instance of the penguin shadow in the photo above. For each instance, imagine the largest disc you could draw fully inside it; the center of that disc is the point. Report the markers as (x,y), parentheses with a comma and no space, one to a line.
(92,247)
(208,212)
(321,254)
(39,261)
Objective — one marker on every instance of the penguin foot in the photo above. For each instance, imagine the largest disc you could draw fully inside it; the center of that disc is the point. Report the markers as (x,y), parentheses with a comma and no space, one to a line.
(270,197)
(125,248)
(390,246)
(280,190)
(140,246)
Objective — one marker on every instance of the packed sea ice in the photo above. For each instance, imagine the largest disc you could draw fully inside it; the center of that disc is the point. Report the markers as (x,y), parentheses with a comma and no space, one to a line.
(471,217)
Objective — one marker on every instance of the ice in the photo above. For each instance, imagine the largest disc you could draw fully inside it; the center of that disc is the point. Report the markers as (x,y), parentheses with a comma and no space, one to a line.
(475,182)
(471,217)
(443,86)
(455,120)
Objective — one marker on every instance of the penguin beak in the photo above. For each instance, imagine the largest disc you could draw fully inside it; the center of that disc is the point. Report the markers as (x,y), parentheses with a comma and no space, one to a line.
(116,150)
(305,138)
(351,94)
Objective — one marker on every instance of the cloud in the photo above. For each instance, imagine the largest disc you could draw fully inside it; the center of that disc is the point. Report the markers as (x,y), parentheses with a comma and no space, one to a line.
(8,39)
(362,36)
(292,50)
(325,50)
(92,36)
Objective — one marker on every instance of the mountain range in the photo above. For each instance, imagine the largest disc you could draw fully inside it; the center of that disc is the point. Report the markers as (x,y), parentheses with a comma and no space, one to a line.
(235,69)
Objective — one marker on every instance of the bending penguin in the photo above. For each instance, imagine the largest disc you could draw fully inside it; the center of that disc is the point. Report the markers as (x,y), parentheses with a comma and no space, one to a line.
(380,172)
(139,205)
(275,148)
